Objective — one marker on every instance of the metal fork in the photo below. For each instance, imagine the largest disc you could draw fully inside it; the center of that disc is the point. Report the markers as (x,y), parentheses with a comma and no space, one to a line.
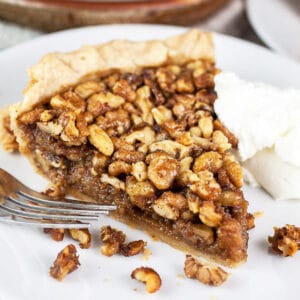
(24,206)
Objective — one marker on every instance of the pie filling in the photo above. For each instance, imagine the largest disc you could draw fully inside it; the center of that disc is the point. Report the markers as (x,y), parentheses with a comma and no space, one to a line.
(151,143)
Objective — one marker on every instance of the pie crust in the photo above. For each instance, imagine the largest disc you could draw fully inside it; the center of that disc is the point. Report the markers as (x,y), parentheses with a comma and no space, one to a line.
(133,123)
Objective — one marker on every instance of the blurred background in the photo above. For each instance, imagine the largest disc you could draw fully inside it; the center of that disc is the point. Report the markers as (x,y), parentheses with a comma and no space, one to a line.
(270,23)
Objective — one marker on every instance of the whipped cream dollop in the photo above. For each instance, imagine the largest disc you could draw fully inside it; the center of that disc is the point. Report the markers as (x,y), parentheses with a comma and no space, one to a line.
(266,120)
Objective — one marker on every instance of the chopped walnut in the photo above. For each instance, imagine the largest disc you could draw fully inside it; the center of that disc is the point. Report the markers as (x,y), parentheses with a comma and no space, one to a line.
(57,234)
(119,167)
(100,140)
(169,204)
(233,170)
(286,240)
(206,126)
(144,104)
(221,141)
(112,239)
(133,248)
(65,263)
(218,125)
(139,171)
(142,194)
(161,114)
(148,276)
(208,214)
(211,161)
(207,187)
(124,89)
(162,171)
(86,89)
(171,147)
(114,181)
(83,236)
(206,274)
(145,135)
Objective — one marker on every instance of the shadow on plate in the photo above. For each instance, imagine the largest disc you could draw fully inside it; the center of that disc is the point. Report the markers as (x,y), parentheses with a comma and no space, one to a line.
(295,5)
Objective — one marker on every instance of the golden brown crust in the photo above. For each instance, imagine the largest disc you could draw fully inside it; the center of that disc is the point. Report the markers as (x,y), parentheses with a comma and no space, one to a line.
(7,138)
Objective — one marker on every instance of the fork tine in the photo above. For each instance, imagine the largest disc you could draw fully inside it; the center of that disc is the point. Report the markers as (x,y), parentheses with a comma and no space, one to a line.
(40,224)
(42,199)
(41,216)
(39,208)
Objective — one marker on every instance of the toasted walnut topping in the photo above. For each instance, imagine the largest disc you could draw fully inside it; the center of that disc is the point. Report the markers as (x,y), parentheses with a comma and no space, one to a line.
(211,161)
(208,214)
(185,164)
(70,134)
(207,187)
(230,198)
(161,114)
(162,171)
(65,263)
(119,167)
(168,205)
(204,273)
(185,139)
(171,147)
(188,178)
(112,239)
(193,203)
(83,236)
(221,141)
(286,240)
(148,276)
(57,234)
(115,182)
(139,171)
(129,156)
(100,140)
(47,115)
(51,128)
(218,125)
(145,135)
(206,126)
(31,116)
(142,194)
(133,248)
(124,89)
(86,89)
(99,163)
(144,104)
(234,171)
(113,101)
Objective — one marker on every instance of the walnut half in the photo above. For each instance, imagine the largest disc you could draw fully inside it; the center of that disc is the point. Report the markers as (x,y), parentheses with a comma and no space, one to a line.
(204,273)
(148,276)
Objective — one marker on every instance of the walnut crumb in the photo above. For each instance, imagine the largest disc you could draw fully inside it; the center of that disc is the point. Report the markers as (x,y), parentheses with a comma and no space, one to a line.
(148,276)
(133,248)
(114,242)
(83,236)
(112,239)
(206,274)
(57,234)
(286,240)
(65,263)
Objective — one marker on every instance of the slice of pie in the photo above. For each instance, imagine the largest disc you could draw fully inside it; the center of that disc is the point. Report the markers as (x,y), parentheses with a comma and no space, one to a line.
(133,123)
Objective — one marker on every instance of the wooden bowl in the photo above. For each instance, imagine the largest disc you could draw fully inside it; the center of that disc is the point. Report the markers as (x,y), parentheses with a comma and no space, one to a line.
(54,15)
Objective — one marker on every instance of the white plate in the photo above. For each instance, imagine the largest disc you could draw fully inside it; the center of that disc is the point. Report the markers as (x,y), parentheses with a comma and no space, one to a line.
(277,22)
(26,253)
